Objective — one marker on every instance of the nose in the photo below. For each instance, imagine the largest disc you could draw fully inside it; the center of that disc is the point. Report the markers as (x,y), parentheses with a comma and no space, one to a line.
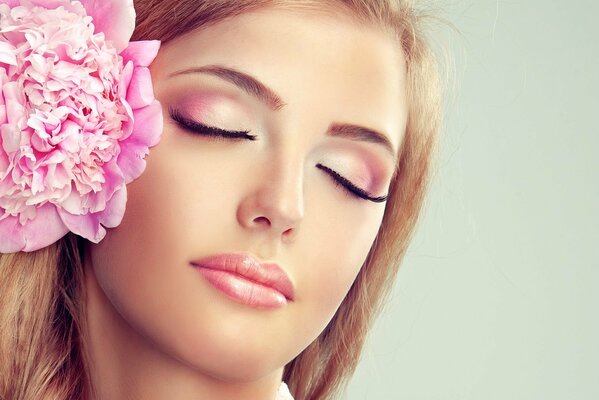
(274,202)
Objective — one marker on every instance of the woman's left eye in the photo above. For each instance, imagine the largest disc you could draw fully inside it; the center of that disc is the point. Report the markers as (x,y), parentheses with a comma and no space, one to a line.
(198,128)
(349,186)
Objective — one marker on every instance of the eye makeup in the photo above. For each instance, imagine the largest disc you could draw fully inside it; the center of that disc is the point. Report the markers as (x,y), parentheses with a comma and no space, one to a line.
(349,165)
(196,127)
(365,165)
(349,186)
(211,107)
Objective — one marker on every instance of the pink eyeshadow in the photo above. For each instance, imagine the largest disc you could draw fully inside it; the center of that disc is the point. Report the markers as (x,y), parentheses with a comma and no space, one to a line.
(366,171)
(211,106)
(197,106)
(362,178)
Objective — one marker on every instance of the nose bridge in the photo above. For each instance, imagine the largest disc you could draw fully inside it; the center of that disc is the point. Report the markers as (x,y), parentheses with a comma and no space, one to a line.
(282,188)
(276,199)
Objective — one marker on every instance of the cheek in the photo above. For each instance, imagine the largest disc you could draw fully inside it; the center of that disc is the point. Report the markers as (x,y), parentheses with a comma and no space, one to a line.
(179,197)
(144,260)
(334,256)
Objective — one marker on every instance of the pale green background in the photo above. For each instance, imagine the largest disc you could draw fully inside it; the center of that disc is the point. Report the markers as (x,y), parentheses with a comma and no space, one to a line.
(498,298)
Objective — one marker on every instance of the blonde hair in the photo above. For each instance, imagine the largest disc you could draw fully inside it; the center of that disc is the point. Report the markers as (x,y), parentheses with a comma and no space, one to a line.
(42,317)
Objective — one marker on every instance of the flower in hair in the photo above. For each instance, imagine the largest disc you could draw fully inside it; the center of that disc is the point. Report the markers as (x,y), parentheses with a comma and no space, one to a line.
(77,117)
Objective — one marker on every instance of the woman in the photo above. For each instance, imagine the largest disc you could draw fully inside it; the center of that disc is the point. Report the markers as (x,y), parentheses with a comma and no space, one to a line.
(266,229)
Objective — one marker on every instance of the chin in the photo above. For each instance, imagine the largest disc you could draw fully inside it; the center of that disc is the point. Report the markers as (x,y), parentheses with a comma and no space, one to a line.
(236,366)
(231,359)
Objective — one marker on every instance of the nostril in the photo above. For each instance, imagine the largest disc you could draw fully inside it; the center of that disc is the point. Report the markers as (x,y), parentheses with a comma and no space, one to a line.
(288,232)
(262,221)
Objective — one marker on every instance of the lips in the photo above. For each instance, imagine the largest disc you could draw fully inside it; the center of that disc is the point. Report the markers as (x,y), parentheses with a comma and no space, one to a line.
(245,280)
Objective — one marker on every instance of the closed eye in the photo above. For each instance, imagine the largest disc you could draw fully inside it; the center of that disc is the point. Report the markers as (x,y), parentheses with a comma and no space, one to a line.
(349,186)
(196,127)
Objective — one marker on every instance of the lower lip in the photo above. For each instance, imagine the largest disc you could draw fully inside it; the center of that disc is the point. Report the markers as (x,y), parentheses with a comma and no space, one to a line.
(243,290)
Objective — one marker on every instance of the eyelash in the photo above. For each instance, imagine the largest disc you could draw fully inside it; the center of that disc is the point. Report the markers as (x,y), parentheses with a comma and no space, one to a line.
(350,187)
(197,128)
(221,134)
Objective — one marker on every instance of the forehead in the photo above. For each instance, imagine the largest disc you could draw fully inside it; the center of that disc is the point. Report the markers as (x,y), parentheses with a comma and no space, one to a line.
(310,58)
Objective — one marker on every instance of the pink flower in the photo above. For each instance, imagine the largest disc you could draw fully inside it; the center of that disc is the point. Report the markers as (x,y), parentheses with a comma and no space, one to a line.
(77,117)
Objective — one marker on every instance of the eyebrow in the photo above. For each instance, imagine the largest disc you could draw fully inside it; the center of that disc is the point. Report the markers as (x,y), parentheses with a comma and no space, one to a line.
(255,88)
(360,133)
(246,82)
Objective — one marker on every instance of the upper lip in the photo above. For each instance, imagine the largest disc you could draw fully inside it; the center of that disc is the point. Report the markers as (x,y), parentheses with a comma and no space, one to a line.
(248,266)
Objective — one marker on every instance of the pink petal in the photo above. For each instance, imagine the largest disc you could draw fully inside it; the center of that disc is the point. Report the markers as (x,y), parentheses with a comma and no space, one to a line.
(74,7)
(125,80)
(11,3)
(141,53)
(91,226)
(127,127)
(149,123)
(140,93)
(4,164)
(45,229)
(15,100)
(114,181)
(73,203)
(2,111)
(116,18)
(11,237)
(10,138)
(3,78)
(146,133)
(7,53)
(3,117)
(49,4)
(112,216)
(87,226)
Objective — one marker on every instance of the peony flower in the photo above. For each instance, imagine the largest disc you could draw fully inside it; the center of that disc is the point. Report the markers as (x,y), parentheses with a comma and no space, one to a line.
(77,117)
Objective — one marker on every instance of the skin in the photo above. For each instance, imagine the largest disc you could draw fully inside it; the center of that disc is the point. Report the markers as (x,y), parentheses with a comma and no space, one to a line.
(157,329)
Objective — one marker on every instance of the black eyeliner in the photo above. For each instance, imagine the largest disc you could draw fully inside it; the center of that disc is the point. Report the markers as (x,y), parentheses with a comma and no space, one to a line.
(350,186)
(202,129)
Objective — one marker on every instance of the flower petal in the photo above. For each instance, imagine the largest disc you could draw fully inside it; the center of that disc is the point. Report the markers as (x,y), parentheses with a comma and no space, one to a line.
(146,133)
(116,18)
(87,226)
(141,53)
(49,4)
(11,239)
(45,229)
(140,93)
(112,216)
(126,76)
(11,3)
(149,123)
(7,53)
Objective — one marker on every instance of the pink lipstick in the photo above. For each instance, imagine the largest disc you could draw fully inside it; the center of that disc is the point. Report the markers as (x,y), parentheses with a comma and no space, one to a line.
(245,280)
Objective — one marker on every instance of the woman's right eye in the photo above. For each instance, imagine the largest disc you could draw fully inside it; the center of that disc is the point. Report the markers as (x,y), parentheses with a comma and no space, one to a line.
(198,128)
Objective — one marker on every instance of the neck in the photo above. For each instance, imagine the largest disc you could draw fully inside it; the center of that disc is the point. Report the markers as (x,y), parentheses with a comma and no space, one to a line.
(126,365)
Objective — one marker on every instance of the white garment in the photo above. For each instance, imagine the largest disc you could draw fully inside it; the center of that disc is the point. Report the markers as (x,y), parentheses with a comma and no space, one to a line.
(284,393)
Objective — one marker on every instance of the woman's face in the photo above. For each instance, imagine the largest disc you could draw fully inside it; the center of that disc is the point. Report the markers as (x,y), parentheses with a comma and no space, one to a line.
(312,99)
